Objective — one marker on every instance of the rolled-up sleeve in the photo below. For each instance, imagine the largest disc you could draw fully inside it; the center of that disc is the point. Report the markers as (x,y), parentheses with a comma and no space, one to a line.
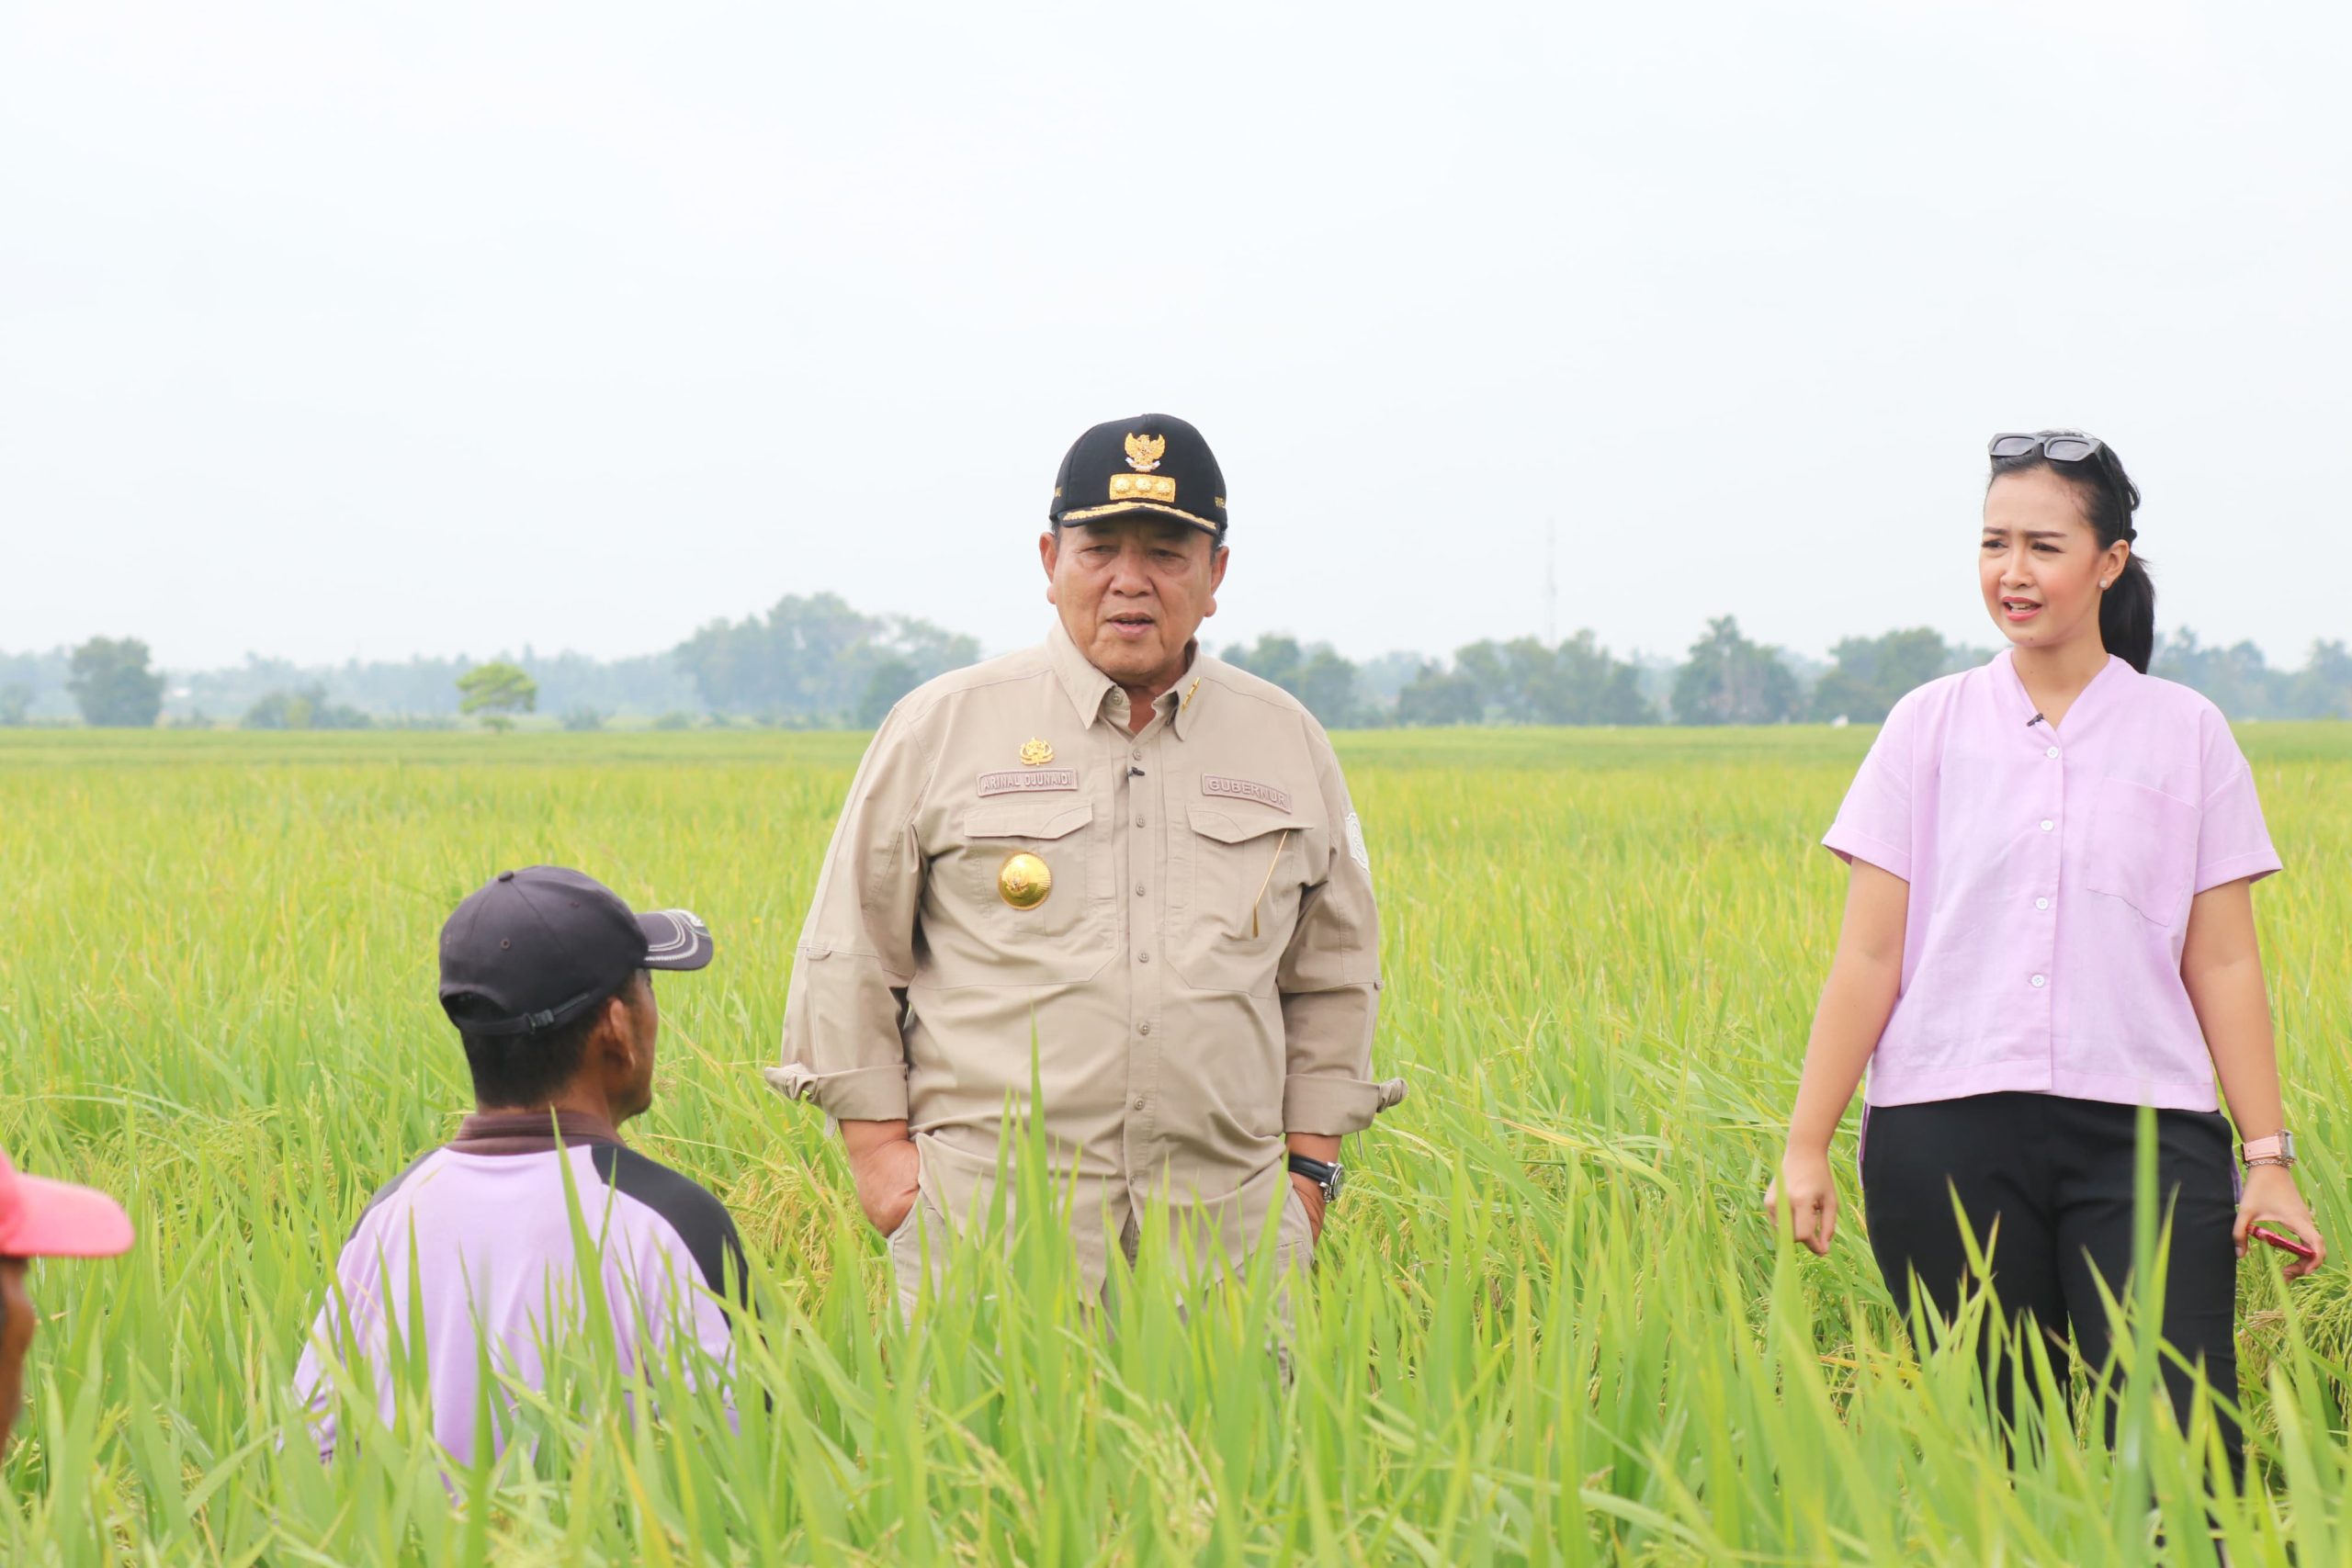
(1329,980)
(843,1047)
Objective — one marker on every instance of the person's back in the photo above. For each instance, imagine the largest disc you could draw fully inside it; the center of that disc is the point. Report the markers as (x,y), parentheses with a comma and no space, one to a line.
(495,1253)
(476,1249)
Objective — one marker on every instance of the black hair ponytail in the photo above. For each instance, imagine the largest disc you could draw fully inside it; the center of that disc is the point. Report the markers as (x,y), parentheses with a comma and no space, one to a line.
(2127,611)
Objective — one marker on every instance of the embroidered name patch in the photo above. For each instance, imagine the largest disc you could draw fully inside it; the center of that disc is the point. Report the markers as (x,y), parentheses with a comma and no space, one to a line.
(1029,780)
(1246,789)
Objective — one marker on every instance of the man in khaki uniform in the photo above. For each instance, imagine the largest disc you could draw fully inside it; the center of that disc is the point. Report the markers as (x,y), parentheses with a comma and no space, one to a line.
(1126,851)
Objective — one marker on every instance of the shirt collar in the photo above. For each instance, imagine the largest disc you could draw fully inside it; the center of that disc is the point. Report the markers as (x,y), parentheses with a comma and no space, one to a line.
(1088,688)
(1085,685)
(528,1132)
(2114,676)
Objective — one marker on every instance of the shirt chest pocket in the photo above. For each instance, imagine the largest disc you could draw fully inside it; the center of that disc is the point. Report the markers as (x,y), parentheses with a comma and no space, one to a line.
(1036,870)
(2143,851)
(1238,898)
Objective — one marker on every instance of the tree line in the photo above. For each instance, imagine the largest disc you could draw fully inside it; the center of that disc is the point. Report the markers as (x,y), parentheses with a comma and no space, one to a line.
(815,663)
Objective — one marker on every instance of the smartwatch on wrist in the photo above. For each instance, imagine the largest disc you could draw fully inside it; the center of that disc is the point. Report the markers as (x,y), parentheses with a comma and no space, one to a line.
(1327,1178)
(2276,1149)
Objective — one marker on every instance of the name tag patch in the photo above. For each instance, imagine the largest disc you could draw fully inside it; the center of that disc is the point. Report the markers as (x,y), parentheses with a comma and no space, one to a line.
(1028,781)
(1246,789)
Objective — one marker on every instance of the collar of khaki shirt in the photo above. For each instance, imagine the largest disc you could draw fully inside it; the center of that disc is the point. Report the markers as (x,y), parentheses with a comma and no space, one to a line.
(1088,688)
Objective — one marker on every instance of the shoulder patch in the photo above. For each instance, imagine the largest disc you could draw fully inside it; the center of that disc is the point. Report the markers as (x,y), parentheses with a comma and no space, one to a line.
(1356,851)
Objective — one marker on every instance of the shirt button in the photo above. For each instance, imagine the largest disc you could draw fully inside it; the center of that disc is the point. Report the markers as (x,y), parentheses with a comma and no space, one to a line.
(1143,957)
(1139,889)
(1138,1102)
(1137,755)
(2047,825)
(2040,981)
(2052,753)
(1143,1029)
(1138,821)
(2042,903)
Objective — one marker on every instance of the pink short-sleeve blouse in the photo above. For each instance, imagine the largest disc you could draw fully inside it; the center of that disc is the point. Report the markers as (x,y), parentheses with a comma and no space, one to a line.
(2050,876)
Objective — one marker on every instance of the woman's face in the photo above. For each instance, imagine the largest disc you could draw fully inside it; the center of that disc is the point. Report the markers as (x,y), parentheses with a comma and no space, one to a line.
(2039,561)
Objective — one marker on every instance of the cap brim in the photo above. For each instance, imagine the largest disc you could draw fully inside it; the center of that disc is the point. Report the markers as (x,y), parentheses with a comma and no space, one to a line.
(57,1219)
(676,939)
(1119,508)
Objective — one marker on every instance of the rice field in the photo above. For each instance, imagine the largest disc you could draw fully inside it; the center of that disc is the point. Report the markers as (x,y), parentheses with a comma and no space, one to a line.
(1546,1324)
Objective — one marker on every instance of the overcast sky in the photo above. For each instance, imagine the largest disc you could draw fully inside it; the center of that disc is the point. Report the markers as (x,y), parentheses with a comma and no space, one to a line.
(337,330)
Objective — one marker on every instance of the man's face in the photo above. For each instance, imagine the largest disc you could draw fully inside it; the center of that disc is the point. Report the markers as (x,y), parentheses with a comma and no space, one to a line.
(17,1324)
(1132,591)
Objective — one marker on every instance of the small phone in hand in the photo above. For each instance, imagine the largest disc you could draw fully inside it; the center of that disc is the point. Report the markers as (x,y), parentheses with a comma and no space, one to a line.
(2286,1243)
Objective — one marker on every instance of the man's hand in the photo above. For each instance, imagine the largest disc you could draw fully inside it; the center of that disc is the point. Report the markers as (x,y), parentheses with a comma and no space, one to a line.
(883,1160)
(1312,1196)
(1803,1202)
(2272,1197)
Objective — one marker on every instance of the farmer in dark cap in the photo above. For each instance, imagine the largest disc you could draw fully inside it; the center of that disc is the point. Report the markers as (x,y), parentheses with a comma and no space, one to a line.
(1125,856)
(547,976)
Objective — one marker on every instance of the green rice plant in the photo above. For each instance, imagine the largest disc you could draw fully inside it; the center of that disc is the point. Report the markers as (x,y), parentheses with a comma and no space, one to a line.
(1547,1325)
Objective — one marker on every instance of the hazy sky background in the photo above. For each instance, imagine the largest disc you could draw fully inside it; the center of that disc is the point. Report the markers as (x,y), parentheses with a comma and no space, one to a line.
(329,332)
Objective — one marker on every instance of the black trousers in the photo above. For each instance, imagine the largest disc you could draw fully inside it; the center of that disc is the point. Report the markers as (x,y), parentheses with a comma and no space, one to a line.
(2057,1173)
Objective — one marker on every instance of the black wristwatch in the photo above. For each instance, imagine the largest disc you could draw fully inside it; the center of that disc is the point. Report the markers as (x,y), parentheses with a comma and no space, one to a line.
(1327,1178)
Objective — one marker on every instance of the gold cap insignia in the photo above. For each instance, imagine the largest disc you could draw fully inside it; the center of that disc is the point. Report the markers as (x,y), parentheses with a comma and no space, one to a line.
(1144,487)
(1024,880)
(1036,753)
(1144,452)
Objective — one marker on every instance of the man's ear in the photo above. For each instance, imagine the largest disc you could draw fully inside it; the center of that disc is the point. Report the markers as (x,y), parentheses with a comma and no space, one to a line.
(611,1042)
(1049,554)
(1219,556)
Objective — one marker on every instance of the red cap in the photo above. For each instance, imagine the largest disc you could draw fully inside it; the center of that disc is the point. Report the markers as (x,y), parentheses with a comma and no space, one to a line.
(56,1219)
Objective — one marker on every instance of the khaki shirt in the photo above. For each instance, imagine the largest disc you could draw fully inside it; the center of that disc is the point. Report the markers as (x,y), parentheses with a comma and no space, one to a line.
(1202,979)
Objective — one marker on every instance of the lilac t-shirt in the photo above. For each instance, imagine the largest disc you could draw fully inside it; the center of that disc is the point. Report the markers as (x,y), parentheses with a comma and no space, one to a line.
(2051,877)
(493,1248)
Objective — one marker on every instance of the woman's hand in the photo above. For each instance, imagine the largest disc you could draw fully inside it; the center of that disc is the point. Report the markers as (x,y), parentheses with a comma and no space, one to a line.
(2271,1196)
(1802,1201)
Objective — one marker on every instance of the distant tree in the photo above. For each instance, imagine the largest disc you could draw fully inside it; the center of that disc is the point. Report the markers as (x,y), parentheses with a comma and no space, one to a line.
(2323,688)
(497,691)
(1440,696)
(812,659)
(1730,680)
(1318,676)
(676,718)
(580,716)
(2238,679)
(1871,673)
(885,684)
(305,708)
(113,686)
(15,700)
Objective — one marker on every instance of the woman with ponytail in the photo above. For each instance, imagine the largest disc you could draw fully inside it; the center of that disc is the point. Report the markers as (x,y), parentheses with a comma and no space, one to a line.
(2049,925)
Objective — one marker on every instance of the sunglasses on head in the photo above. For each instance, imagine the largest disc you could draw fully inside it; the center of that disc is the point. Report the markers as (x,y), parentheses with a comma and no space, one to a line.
(2058,445)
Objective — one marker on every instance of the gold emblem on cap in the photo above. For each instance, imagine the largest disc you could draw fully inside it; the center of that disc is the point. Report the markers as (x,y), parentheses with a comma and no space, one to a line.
(1144,452)
(1036,753)
(1024,880)
(1143,487)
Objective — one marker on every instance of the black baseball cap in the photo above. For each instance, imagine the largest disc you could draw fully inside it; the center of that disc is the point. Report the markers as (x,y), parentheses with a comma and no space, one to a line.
(1152,465)
(534,948)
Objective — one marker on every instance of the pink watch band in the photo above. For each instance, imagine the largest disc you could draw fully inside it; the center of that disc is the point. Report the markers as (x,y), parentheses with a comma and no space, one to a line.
(2273,1148)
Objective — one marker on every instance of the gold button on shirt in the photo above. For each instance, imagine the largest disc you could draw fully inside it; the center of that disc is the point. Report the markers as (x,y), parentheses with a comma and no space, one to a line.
(1182,919)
